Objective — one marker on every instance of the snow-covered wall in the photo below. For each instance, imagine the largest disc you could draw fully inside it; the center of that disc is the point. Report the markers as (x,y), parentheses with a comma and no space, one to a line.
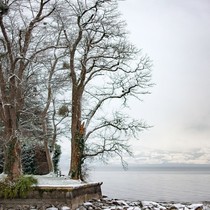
(45,197)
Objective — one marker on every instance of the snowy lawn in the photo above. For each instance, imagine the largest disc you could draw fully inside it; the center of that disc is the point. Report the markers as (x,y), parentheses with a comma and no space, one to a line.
(50,180)
(53,181)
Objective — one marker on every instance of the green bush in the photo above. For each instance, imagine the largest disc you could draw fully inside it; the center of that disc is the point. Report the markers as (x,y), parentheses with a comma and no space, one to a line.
(18,188)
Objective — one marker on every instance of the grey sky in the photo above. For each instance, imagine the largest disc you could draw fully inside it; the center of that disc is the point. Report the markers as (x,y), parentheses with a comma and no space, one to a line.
(176,36)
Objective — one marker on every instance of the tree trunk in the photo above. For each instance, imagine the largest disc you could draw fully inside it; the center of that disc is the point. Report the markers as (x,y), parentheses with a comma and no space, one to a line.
(77,138)
(49,156)
(77,149)
(12,163)
(46,144)
(13,159)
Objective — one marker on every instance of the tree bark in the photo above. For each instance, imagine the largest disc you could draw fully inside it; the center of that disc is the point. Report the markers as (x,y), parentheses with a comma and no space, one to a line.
(12,164)
(46,146)
(49,156)
(77,141)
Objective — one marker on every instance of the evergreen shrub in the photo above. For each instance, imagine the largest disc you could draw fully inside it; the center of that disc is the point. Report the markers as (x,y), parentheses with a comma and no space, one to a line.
(18,188)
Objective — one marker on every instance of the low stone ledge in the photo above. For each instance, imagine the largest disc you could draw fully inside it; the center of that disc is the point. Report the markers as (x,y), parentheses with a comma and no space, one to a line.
(44,197)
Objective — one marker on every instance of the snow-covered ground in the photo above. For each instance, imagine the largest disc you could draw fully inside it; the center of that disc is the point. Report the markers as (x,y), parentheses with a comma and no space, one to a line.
(51,180)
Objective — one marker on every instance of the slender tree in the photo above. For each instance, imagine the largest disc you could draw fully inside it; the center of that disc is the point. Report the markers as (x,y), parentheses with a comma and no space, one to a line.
(48,113)
(105,71)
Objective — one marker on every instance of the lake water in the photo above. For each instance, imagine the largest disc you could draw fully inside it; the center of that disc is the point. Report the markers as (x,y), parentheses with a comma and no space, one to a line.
(178,184)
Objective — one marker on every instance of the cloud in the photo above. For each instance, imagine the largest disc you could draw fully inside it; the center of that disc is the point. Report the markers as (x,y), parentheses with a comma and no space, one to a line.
(195,156)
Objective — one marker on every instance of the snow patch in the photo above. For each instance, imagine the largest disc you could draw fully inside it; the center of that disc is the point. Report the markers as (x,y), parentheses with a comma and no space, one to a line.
(65,208)
(52,208)
(195,206)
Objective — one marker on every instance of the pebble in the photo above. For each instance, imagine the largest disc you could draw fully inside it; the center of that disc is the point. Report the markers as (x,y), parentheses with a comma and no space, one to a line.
(118,204)
(114,204)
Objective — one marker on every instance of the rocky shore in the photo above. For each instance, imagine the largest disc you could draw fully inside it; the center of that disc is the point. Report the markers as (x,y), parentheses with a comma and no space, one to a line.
(107,203)
(115,204)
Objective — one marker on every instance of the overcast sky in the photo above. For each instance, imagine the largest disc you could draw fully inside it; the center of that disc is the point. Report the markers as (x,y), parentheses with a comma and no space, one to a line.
(176,36)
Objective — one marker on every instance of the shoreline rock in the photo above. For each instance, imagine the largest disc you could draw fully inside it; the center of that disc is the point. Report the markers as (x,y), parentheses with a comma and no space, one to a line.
(106,203)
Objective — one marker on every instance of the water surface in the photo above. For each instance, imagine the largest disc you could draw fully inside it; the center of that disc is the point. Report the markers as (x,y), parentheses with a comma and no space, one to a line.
(179,184)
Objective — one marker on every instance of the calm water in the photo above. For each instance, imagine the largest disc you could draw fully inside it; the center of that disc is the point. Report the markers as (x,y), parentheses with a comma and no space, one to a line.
(156,184)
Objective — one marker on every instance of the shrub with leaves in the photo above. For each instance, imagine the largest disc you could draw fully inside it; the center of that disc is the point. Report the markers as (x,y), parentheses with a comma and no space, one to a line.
(18,188)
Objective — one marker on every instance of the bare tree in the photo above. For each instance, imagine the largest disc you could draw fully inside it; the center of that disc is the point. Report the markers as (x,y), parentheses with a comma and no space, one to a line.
(54,81)
(21,44)
(105,71)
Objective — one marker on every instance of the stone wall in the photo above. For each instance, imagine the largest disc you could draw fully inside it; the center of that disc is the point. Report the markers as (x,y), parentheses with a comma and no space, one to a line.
(45,197)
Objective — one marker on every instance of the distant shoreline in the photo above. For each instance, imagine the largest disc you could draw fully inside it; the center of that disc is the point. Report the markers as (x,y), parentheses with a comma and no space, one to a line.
(151,166)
